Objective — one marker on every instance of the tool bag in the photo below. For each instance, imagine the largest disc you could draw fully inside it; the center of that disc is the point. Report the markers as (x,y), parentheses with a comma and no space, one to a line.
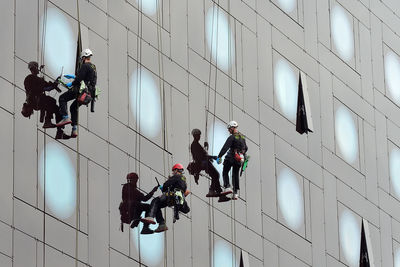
(84,97)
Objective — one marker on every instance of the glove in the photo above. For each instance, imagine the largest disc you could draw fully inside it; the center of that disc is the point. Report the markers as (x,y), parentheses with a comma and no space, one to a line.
(69,84)
(69,76)
(160,187)
(219,160)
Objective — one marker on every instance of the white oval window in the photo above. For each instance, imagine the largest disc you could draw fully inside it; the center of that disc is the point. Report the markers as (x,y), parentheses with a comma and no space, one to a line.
(145,102)
(346,134)
(217,135)
(394,166)
(350,236)
(223,254)
(392,75)
(57,179)
(287,5)
(342,33)
(150,247)
(148,7)
(290,198)
(397,258)
(59,44)
(220,38)
(286,88)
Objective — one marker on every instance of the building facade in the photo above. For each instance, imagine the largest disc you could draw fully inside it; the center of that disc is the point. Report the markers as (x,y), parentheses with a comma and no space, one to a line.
(168,66)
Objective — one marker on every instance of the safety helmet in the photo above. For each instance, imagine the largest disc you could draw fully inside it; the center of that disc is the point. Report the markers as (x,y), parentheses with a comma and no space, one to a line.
(232,124)
(86,53)
(178,166)
(196,132)
(132,176)
(33,65)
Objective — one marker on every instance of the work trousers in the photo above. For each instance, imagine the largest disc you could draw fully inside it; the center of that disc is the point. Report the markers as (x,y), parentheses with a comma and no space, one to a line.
(63,100)
(235,166)
(47,104)
(209,168)
(161,202)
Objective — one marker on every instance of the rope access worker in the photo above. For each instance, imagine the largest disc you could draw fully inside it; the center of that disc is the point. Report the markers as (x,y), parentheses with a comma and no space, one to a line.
(132,207)
(36,99)
(236,147)
(88,74)
(174,193)
(203,161)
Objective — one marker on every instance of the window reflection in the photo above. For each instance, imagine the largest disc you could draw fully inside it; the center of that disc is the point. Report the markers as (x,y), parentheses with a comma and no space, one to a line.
(350,236)
(220,38)
(342,33)
(57,178)
(286,88)
(290,198)
(145,102)
(59,43)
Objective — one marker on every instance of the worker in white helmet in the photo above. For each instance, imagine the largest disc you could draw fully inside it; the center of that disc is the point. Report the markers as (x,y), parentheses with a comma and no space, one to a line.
(87,73)
(236,147)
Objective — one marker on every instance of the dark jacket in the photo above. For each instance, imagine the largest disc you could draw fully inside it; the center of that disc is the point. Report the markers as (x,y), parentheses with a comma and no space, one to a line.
(198,152)
(235,143)
(177,181)
(35,86)
(88,74)
(130,193)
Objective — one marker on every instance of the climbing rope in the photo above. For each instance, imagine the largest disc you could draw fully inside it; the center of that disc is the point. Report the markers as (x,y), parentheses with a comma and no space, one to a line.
(211,202)
(43,46)
(138,95)
(77,217)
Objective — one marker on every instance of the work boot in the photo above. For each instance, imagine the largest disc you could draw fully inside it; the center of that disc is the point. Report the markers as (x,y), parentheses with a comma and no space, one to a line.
(63,122)
(48,124)
(161,228)
(146,230)
(74,133)
(223,198)
(227,191)
(61,135)
(235,196)
(212,193)
(149,220)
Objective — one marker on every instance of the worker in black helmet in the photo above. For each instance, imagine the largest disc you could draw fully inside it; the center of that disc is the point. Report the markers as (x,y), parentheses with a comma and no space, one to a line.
(236,147)
(88,74)
(132,204)
(174,193)
(36,98)
(203,161)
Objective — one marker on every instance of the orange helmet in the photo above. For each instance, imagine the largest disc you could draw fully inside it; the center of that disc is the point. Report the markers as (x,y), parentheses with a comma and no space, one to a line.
(177,166)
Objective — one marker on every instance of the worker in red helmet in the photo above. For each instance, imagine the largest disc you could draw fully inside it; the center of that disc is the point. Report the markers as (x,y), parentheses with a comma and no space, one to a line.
(174,193)
(132,204)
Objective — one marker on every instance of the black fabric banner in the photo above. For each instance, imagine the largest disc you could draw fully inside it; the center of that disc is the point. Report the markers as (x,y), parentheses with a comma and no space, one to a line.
(78,61)
(301,118)
(364,259)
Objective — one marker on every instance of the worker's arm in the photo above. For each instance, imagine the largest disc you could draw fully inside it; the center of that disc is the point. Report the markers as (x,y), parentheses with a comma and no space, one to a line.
(150,194)
(227,145)
(166,185)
